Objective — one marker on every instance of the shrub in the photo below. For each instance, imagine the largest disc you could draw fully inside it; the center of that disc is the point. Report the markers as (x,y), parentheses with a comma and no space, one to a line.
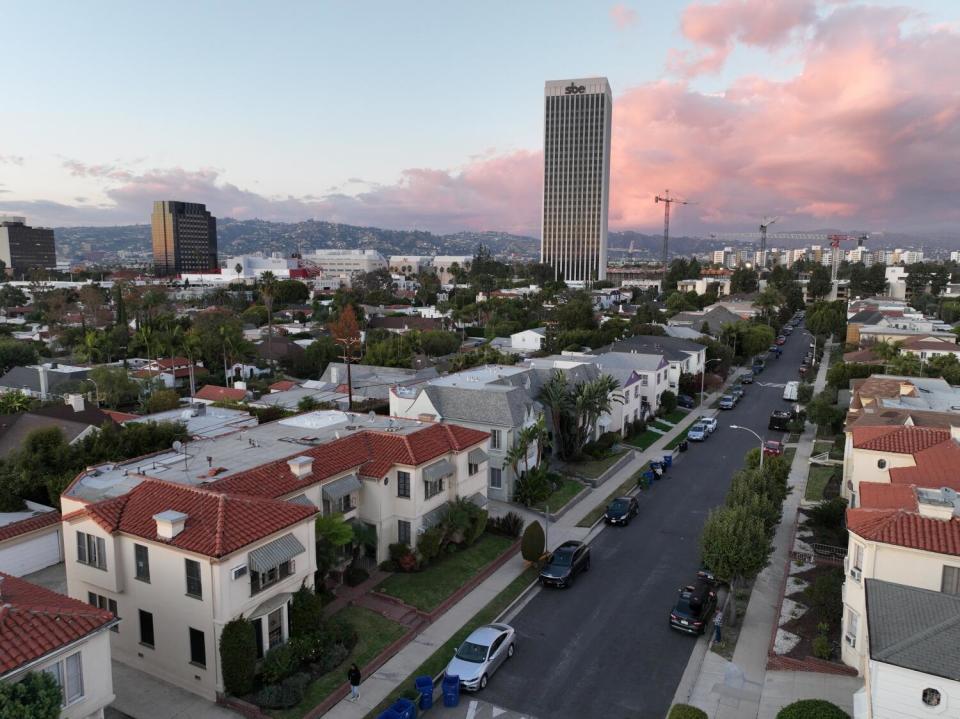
(238,656)
(510,525)
(685,711)
(331,656)
(388,565)
(279,663)
(812,709)
(402,557)
(477,528)
(829,513)
(668,402)
(430,544)
(533,488)
(602,445)
(355,575)
(825,595)
(804,392)
(822,648)
(306,613)
(533,542)
(36,696)
(398,550)
(287,694)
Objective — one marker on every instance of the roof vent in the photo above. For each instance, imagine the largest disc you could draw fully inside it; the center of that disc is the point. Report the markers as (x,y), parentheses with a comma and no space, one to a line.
(169,523)
(300,466)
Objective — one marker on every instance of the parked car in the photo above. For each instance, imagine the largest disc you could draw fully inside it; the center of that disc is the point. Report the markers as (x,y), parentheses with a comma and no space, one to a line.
(781,339)
(621,510)
(747,378)
(780,420)
(697,433)
(565,563)
(686,401)
(737,392)
(481,654)
(772,448)
(728,402)
(758,365)
(710,423)
(788,330)
(694,607)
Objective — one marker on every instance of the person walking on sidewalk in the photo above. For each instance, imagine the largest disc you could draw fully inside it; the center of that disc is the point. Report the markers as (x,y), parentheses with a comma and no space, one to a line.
(717,624)
(353,674)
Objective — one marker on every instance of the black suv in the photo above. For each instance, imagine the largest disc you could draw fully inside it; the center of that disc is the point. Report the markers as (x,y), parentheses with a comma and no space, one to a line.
(780,420)
(621,510)
(694,607)
(566,562)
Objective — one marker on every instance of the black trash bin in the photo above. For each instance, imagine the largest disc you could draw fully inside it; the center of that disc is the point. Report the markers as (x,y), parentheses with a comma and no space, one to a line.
(683,446)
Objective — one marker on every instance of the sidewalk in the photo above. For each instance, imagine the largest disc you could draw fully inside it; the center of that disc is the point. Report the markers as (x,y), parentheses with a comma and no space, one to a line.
(743,689)
(388,678)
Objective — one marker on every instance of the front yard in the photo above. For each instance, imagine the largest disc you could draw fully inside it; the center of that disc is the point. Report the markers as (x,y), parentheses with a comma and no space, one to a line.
(643,440)
(426,590)
(822,483)
(593,468)
(561,496)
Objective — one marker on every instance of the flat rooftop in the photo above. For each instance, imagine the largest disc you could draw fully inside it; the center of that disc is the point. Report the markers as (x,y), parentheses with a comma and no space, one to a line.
(484,374)
(213,421)
(238,451)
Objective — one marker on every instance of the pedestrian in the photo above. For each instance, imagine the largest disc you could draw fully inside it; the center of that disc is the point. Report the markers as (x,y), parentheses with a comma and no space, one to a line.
(353,675)
(717,624)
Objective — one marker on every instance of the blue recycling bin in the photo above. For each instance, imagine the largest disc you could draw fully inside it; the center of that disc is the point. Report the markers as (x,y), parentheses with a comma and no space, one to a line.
(667,461)
(404,709)
(389,714)
(424,687)
(649,476)
(451,690)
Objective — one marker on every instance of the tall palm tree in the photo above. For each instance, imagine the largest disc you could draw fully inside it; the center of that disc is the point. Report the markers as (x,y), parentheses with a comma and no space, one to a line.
(268,290)
(767,301)
(555,396)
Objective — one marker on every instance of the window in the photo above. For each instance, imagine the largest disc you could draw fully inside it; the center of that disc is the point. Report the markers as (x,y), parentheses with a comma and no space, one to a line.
(858,556)
(403,532)
(194,585)
(68,674)
(275,628)
(950,583)
(472,468)
(198,648)
(853,622)
(636,392)
(142,561)
(403,484)
(496,478)
(261,580)
(644,381)
(146,629)
(931,697)
(495,439)
(101,602)
(91,550)
(432,489)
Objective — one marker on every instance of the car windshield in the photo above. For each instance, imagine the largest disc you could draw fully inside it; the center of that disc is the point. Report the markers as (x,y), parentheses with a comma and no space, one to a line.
(618,505)
(691,606)
(470,652)
(697,428)
(562,558)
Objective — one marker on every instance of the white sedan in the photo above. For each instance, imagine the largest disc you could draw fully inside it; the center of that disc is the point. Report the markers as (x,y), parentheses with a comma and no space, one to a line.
(710,423)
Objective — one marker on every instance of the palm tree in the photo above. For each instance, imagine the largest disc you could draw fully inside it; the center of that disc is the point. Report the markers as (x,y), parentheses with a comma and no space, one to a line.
(767,301)
(92,347)
(238,268)
(556,397)
(268,289)
(592,400)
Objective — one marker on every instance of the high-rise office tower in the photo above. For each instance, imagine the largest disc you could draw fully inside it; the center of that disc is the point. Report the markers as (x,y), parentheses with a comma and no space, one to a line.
(184,237)
(23,247)
(576,177)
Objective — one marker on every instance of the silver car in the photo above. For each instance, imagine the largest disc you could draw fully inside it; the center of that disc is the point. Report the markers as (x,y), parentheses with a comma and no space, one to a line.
(481,654)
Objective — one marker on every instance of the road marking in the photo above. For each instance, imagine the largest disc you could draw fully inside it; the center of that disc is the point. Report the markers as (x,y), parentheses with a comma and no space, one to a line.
(772,384)
(497,711)
(472,709)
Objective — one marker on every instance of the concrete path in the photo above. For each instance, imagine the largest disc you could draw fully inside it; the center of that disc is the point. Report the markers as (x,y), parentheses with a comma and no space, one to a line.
(143,696)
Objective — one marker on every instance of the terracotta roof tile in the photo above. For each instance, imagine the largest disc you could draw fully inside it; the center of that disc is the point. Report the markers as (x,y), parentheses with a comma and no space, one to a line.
(877,495)
(906,529)
(35,621)
(283,385)
(899,440)
(937,466)
(214,393)
(217,524)
(30,524)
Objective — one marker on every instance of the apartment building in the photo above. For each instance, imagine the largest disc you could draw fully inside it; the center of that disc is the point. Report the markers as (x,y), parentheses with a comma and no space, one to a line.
(67,639)
(683,356)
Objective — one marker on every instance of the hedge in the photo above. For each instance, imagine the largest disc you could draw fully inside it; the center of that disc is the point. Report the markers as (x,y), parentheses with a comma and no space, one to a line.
(812,709)
(685,711)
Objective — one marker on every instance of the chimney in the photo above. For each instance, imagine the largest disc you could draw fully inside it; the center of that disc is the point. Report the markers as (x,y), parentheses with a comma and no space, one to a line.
(76,401)
(300,466)
(169,523)
(426,417)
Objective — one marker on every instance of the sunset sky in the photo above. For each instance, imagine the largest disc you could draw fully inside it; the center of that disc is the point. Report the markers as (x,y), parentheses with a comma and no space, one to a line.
(428,114)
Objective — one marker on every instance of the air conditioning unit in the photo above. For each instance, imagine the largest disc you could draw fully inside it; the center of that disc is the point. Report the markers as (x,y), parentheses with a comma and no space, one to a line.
(855,573)
(238,572)
(850,639)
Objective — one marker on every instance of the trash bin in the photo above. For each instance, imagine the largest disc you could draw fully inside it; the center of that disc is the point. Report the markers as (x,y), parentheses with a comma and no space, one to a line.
(683,446)
(649,476)
(424,687)
(405,709)
(451,690)
(654,465)
(667,460)
(389,714)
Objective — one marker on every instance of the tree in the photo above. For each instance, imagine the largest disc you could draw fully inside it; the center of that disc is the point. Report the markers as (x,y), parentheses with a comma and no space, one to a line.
(268,291)
(162,400)
(375,287)
(238,656)
(533,542)
(11,296)
(333,534)
(576,313)
(36,696)
(827,318)
(823,412)
(668,401)
(436,343)
(754,339)
(819,284)
(114,386)
(14,353)
(13,402)
(743,281)
(555,398)
(767,302)
(291,292)
(735,545)
(306,613)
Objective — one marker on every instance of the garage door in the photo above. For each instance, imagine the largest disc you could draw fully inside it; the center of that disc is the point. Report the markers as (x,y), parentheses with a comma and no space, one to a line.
(42,550)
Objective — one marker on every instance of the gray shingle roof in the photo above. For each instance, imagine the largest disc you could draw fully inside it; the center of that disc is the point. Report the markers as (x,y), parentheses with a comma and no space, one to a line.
(673,348)
(917,629)
(29,378)
(484,404)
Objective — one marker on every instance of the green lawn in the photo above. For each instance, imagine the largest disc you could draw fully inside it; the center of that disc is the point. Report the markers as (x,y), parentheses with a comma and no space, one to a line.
(644,439)
(441,657)
(817,482)
(672,444)
(624,487)
(569,489)
(595,467)
(375,632)
(677,415)
(663,426)
(427,589)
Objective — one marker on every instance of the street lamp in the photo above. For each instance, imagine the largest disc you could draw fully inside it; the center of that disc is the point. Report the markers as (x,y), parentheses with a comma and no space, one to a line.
(759,438)
(814,338)
(703,375)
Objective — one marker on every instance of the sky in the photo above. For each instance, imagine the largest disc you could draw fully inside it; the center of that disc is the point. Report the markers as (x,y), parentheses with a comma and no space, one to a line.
(429,114)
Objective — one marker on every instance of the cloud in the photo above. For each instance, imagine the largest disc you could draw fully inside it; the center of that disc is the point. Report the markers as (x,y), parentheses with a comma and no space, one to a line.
(11,160)
(622,16)
(715,28)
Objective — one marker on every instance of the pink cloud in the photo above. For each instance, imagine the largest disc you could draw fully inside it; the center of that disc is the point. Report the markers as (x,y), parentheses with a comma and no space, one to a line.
(622,16)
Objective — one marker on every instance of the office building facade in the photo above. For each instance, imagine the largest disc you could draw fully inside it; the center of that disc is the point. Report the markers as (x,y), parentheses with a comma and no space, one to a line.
(576,178)
(23,248)
(184,237)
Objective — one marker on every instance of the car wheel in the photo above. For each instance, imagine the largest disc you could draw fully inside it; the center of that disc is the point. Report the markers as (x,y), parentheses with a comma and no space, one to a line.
(483,682)
(510,651)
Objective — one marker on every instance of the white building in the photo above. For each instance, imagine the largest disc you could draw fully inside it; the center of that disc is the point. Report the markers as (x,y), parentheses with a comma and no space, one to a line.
(442,264)
(576,142)
(528,340)
(349,262)
(30,539)
(408,264)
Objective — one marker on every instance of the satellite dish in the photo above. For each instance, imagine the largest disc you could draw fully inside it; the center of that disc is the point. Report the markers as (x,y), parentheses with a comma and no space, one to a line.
(177,445)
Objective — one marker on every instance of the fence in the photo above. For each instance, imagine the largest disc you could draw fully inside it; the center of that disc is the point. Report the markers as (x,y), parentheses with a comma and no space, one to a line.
(821,554)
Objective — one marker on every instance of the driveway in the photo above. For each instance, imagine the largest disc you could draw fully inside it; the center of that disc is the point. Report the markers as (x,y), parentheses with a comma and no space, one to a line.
(604,648)
(141,696)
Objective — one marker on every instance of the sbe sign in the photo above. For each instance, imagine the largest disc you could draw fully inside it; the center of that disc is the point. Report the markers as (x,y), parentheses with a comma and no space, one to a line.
(573,89)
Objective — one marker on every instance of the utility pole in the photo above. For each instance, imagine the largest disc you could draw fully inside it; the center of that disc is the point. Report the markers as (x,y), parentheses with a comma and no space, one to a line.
(667,201)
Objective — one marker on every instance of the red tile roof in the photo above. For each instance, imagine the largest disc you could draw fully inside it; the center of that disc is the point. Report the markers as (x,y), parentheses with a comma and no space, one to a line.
(169,362)
(370,453)
(120,417)
(215,393)
(899,440)
(30,524)
(35,621)
(283,385)
(877,495)
(937,466)
(217,524)
(906,529)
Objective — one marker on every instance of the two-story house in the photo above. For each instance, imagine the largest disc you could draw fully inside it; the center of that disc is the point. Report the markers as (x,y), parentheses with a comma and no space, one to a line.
(178,562)
(683,356)
(42,631)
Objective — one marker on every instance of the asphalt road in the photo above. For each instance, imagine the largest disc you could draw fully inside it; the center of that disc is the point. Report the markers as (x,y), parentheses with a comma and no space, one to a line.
(603,648)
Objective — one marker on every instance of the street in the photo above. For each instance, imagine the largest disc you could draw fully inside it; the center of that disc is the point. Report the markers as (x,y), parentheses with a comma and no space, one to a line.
(603,648)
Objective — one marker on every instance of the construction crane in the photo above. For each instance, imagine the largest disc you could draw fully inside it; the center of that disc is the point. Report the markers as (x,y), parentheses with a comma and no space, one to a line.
(835,241)
(764,224)
(667,201)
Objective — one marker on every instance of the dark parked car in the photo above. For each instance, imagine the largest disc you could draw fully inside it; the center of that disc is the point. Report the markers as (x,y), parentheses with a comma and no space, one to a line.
(621,510)
(566,562)
(686,401)
(780,420)
(747,378)
(737,392)
(694,607)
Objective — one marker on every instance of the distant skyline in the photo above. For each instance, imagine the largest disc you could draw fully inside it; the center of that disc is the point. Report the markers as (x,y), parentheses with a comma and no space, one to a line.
(429,116)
